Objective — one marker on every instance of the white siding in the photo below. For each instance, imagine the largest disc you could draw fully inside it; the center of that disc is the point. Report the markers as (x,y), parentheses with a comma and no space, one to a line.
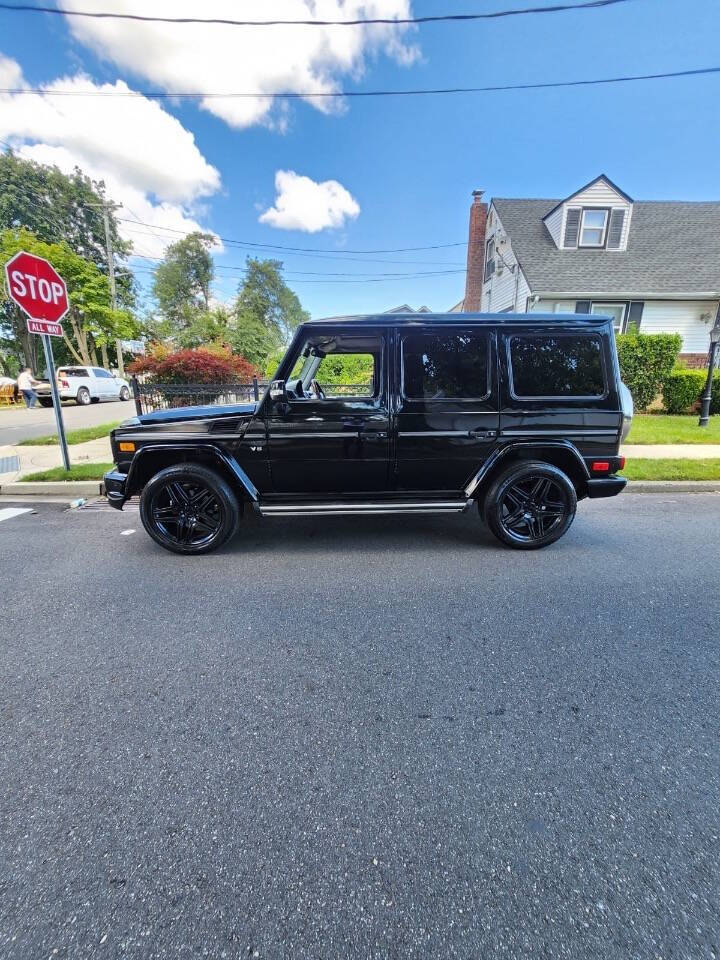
(507,288)
(555,225)
(681,316)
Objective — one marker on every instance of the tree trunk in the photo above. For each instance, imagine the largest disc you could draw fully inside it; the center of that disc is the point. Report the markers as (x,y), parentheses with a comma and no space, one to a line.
(80,339)
(104,355)
(71,348)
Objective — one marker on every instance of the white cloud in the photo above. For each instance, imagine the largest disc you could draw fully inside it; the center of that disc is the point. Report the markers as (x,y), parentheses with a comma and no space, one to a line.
(148,160)
(303,204)
(213,58)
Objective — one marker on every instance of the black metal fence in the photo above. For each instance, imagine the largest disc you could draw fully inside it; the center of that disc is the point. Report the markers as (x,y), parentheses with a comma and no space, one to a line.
(166,396)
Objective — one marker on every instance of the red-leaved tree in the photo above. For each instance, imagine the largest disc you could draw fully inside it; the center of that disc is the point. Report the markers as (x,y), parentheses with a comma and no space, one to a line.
(199,365)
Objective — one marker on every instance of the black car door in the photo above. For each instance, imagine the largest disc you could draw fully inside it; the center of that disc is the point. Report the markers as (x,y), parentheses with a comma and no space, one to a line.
(447,405)
(336,441)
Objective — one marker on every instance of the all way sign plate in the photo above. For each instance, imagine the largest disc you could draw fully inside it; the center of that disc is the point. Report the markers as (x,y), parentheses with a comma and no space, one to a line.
(46,327)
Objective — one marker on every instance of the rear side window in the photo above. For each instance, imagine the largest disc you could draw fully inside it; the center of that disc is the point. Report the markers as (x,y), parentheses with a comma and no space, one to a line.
(445,366)
(73,371)
(557,367)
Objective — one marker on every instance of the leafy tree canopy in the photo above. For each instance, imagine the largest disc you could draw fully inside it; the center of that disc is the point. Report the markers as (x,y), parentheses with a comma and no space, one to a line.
(181,286)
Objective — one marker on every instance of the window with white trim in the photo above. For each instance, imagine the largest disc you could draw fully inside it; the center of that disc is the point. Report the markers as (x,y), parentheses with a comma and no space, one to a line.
(489,258)
(593,226)
(615,310)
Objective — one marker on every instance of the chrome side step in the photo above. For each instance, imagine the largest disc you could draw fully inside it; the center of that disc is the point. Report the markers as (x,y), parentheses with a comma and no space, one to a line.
(361,509)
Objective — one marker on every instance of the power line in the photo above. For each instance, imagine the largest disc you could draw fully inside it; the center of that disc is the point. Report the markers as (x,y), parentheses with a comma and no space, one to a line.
(322,94)
(322,273)
(389,21)
(277,246)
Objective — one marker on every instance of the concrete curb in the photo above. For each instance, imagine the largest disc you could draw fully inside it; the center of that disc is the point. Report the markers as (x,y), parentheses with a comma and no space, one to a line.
(673,486)
(71,488)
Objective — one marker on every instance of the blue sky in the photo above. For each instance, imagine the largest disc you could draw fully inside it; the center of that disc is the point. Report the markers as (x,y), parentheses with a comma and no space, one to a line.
(411,163)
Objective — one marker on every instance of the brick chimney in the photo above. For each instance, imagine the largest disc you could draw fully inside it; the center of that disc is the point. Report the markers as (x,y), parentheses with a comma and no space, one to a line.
(475,254)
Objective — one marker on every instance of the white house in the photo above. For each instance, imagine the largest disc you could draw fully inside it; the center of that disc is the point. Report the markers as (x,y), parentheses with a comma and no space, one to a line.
(653,266)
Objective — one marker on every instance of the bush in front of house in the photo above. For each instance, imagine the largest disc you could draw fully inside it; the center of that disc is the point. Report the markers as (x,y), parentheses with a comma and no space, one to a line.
(646,361)
(683,389)
(199,365)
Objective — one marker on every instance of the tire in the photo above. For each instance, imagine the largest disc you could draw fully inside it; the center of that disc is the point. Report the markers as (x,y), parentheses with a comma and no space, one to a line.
(125,394)
(168,499)
(530,505)
(44,402)
(83,397)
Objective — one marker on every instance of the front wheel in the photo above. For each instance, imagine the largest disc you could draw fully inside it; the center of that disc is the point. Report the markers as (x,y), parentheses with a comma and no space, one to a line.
(125,394)
(189,509)
(530,505)
(44,402)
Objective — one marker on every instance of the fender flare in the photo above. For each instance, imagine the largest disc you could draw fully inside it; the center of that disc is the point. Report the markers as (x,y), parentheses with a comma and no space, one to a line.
(216,452)
(502,453)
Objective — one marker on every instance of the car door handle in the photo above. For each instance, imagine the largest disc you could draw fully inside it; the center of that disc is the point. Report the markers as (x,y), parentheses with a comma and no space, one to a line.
(482,434)
(372,435)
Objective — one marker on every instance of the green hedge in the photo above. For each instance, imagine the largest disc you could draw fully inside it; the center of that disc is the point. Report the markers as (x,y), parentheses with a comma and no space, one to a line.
(683,388)
(646,361)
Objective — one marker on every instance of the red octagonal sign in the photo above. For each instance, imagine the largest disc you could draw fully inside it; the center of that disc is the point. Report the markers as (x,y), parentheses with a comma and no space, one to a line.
(38,289)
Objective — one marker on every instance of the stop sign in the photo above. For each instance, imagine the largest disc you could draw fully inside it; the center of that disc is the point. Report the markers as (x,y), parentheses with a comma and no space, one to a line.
(37,288)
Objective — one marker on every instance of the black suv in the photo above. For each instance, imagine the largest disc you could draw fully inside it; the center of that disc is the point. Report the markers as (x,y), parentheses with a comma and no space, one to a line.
(522,414)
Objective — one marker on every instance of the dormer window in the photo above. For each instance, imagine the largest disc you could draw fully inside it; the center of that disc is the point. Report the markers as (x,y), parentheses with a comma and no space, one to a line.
(593,226)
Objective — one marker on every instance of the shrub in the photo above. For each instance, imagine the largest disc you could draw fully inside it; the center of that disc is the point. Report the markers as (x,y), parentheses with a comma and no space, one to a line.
(196,366)
(683,388)
(646,361)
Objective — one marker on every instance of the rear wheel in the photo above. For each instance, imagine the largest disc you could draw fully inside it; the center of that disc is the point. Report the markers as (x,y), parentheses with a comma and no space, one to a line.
(83,396)
(530,505)
(189,509)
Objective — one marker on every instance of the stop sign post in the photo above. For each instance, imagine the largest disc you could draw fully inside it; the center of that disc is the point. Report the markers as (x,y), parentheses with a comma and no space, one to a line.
(39,290)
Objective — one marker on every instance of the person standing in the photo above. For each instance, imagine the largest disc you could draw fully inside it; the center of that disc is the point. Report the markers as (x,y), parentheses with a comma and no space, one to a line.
(26,385)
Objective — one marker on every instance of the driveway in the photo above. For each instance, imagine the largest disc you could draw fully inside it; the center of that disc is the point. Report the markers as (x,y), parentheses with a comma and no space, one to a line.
(362,738)
(18,423)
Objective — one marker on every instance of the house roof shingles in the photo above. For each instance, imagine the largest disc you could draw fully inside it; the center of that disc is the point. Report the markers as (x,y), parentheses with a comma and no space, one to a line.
(672,248)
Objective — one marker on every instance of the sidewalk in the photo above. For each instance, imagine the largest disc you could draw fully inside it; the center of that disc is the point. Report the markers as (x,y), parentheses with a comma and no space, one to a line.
(34,459)
(671,451)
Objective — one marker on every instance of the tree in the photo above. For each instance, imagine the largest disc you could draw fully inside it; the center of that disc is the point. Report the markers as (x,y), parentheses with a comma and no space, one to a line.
(265,313)
(90,323)
(181,286)
(55,207)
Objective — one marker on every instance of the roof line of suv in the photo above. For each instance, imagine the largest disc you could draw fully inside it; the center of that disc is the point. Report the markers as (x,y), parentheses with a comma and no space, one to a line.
(462,319)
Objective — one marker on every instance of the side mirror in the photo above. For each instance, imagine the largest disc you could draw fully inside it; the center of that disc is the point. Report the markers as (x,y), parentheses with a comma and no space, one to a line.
(278,391)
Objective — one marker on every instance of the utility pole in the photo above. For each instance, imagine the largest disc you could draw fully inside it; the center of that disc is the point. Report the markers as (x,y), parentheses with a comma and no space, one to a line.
(111,278)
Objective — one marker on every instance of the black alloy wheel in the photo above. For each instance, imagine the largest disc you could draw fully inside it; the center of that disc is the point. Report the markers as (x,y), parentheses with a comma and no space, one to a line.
(189,509)
(530,505)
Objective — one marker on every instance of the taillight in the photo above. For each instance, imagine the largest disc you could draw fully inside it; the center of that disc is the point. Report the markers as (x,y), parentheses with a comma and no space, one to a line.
(621,463)
(600,466)
(64,383)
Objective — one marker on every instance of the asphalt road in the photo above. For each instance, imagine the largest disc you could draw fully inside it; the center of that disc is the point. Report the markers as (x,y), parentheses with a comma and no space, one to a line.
(18,423)
(362,738)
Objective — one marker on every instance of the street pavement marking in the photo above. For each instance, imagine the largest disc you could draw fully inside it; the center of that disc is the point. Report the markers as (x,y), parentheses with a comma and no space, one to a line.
(9,512)
(126,533)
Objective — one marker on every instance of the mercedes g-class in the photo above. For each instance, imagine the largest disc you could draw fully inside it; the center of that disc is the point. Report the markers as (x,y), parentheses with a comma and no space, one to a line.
(517,415)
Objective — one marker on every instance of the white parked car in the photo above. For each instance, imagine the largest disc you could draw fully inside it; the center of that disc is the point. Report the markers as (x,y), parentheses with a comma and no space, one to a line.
(84,385)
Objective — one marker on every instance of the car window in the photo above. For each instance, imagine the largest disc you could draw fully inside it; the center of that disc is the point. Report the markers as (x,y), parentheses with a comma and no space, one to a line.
(73,372)
(101,373)
(560,366)
(344,366)
(445,366)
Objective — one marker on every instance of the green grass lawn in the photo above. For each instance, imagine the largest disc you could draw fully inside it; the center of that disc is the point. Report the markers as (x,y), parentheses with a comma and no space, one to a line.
(666,469)
(83,471)
(667,428)
(74,436)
